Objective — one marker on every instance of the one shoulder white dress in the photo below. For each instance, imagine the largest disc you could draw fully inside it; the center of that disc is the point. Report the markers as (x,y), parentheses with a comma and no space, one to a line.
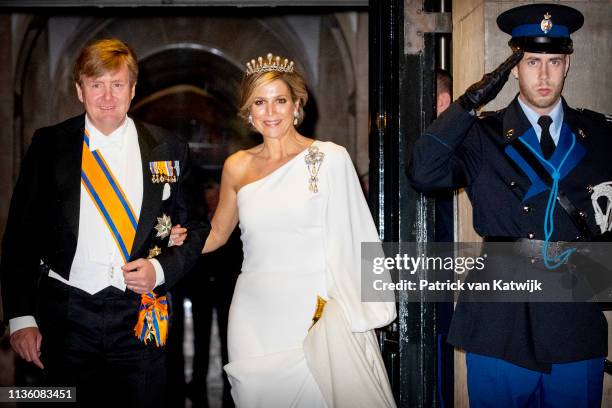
(300,243)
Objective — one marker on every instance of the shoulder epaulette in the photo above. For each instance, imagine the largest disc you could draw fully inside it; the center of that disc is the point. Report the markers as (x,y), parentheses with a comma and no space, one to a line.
(492,120)
(595,115)
(488,114)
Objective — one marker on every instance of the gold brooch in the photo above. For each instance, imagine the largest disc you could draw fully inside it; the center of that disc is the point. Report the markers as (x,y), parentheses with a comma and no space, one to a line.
(319,311)
(153,252)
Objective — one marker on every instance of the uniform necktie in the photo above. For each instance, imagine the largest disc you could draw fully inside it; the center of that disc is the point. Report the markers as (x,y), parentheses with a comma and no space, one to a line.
(546,141)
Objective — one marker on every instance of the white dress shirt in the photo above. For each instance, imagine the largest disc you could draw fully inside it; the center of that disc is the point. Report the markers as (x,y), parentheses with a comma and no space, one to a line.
(556,115)
(97,261)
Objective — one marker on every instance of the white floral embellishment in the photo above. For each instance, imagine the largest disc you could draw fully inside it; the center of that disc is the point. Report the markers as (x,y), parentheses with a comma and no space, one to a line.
(314,158)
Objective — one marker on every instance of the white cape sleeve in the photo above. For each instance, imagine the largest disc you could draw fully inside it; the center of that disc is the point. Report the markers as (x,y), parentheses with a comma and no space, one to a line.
(348,224)
(341,348)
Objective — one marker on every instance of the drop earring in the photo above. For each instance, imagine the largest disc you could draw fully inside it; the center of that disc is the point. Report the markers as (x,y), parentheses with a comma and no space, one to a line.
(250,119)
(296,116)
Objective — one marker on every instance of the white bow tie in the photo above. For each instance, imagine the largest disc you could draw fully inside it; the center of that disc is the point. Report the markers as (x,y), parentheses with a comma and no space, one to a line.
(106,142)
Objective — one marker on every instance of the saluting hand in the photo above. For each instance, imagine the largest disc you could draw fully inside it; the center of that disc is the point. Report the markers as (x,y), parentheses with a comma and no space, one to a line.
(485,90)
(139,275)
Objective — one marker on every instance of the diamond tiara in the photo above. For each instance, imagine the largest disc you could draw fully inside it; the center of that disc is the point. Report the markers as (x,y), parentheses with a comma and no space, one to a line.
(271,63)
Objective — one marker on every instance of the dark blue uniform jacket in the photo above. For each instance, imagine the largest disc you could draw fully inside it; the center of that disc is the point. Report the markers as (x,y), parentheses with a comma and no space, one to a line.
(460,150)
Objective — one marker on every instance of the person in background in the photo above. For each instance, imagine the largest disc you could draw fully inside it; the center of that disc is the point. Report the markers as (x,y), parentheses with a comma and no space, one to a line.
(444,216)
(217,273)
(209,286)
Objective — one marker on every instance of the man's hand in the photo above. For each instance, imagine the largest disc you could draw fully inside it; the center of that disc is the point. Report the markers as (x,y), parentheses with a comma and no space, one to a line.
(26,342)
(177,235)
(139,275)
(485,90)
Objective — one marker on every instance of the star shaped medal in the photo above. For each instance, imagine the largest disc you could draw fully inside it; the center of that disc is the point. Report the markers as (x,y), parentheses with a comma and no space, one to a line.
(163,226)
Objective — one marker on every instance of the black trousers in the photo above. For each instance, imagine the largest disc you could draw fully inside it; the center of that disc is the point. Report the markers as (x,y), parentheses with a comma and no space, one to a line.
(207,289)
(88,343)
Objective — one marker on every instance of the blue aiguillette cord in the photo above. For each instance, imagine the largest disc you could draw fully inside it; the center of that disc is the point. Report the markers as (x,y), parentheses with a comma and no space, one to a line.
(549,224)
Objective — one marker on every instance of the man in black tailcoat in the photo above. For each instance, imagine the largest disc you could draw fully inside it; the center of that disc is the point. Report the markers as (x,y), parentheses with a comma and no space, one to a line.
(88,234)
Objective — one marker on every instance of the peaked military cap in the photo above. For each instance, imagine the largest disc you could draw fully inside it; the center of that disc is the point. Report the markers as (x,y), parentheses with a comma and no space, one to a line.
(543,28)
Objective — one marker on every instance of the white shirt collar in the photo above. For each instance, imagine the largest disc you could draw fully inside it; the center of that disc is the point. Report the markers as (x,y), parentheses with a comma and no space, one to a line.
(114,140)
(556,115)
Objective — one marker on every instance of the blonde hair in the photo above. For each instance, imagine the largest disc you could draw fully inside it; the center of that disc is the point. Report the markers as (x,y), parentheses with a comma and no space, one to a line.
(102,56)
(294,81)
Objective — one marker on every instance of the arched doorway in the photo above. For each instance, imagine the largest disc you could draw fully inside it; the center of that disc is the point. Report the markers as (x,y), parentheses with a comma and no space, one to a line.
(190,70)
(180,88)
(320,45)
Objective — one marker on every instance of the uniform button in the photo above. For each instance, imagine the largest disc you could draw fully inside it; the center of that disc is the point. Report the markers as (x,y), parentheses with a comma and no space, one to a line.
(590,189)
(526,208)
(531,235)
(513,183)
(582,134)
(582,214)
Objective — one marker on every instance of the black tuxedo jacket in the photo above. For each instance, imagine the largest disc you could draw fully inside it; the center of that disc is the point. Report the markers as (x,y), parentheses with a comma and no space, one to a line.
(43,220)
(460,150)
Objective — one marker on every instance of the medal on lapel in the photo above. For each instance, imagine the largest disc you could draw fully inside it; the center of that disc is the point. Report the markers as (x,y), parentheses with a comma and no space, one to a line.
(153,252)
(163,226)
(165,171)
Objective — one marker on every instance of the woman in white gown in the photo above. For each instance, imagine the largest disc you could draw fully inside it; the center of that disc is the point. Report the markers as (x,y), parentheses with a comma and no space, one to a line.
(302,218)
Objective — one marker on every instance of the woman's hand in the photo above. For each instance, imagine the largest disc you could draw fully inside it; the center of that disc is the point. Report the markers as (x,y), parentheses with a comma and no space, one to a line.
(177,235)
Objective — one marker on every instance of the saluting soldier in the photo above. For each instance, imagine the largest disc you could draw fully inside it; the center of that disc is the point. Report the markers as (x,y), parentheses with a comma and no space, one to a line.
(536,157)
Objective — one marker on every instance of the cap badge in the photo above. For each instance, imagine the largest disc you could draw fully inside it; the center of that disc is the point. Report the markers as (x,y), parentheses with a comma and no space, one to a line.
(546,25)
